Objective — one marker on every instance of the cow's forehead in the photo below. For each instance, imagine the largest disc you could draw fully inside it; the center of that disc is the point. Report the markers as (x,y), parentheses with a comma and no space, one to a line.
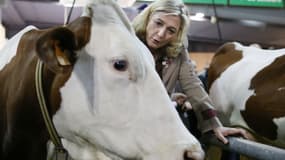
(109,13)
(114,42)
(111,29)
(111,41)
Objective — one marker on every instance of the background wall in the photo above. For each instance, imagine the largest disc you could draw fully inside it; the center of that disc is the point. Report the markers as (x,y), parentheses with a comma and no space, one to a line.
(202,59)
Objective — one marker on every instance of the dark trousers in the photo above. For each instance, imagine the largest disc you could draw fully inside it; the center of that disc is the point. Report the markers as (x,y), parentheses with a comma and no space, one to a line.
(190,121)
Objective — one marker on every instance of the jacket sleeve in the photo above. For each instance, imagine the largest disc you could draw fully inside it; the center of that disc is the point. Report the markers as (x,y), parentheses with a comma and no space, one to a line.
(193,88)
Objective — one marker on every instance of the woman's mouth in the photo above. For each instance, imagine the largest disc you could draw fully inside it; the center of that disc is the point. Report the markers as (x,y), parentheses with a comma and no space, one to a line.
(155,41)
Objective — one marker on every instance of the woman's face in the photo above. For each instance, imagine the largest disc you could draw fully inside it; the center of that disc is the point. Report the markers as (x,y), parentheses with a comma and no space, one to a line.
(161,29)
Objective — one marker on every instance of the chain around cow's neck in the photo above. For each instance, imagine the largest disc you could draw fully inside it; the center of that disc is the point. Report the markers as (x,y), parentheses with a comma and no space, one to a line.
(59,149)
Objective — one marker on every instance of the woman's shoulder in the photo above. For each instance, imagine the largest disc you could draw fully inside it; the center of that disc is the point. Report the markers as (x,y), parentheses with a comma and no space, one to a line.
(184,54)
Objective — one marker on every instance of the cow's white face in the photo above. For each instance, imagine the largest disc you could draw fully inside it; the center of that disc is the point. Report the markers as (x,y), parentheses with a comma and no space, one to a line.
(115,102)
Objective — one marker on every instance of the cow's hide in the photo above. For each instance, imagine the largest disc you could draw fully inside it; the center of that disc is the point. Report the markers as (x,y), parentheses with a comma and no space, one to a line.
(247,86)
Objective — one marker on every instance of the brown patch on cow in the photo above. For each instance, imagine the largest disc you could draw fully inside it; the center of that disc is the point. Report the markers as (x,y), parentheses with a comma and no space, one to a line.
(19,105)
(42,44)
(57,39)
(268,101)
(223,58)
(23,134)
(61,56)
(81,28)
(54,95)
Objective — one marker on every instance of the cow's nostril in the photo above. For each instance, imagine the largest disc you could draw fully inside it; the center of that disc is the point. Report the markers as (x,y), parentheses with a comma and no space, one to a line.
(186,156)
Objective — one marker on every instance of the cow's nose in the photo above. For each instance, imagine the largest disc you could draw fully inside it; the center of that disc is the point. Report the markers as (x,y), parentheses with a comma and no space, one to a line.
(186,156)
(190,155)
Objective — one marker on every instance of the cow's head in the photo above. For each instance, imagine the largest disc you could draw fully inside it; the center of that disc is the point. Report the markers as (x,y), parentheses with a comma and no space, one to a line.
(112,100)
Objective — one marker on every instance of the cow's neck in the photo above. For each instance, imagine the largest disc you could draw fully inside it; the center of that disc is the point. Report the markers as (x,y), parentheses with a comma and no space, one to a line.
(27,137)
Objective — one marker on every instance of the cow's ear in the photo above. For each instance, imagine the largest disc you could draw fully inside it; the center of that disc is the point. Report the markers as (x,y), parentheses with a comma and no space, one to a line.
(56,48)
(81,28)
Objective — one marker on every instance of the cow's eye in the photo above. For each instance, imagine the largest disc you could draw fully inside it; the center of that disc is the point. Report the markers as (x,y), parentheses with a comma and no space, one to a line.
(120,65)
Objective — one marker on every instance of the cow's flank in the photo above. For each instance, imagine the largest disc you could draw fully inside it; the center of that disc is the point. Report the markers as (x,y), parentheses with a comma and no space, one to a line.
(247,85)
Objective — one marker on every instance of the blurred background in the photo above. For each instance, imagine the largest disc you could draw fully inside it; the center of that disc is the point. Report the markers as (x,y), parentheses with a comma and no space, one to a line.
(213,22)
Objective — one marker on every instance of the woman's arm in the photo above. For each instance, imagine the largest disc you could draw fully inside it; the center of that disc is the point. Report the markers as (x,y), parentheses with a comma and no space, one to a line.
(193,88)
(202,104)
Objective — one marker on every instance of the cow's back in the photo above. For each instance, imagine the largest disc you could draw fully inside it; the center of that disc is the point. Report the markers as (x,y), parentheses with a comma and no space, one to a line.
(224,57)
(247,86)
(9,50)
(6,55)
(10,70)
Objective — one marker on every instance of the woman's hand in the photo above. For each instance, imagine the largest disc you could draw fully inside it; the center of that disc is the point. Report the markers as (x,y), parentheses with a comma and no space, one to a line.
(180,100)
(222,132)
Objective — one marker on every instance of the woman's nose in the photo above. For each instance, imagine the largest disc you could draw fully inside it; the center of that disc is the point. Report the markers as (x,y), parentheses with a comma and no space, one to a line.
(161,32)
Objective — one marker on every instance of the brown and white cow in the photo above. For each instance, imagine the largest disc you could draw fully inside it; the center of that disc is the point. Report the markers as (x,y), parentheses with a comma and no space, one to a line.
(101,91)
(247,86)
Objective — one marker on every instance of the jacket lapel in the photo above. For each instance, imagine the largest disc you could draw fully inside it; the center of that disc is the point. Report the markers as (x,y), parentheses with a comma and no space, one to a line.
(168,71)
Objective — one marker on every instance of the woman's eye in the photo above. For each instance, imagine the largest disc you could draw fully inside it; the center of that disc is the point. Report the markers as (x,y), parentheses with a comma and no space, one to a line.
(158,23)
(171,31)
(120,65)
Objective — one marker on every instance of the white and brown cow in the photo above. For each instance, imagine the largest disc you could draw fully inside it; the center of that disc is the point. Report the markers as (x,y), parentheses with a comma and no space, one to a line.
(247,86)
(100,88)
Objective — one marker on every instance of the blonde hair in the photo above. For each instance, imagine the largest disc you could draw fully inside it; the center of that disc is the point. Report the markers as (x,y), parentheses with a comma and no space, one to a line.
(173,7)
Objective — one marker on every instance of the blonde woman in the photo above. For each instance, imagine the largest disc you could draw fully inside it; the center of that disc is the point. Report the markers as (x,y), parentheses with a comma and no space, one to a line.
(163,26)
